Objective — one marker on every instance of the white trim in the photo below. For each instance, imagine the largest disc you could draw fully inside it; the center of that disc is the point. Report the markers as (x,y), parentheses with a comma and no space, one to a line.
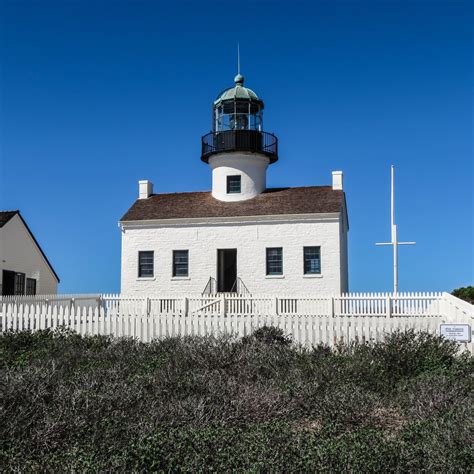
(146,278)
(274,277)
(180,278)
(313,275)
(212,221)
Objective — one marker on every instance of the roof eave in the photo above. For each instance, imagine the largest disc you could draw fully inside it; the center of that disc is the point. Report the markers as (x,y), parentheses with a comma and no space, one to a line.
(316,217)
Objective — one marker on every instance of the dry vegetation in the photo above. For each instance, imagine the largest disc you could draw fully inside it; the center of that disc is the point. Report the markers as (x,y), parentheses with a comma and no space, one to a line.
(75,403)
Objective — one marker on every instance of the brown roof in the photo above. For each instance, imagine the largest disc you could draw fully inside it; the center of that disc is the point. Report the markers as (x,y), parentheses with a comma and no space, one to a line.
(275,201)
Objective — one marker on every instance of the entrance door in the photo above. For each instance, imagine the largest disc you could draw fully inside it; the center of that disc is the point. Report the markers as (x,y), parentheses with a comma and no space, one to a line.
(226,270)
(8,285)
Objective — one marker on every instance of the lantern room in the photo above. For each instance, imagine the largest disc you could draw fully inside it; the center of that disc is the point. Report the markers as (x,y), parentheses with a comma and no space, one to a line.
(237,124)
(238,108)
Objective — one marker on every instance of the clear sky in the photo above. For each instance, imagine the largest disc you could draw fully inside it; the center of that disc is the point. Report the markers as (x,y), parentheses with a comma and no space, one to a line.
(99,94)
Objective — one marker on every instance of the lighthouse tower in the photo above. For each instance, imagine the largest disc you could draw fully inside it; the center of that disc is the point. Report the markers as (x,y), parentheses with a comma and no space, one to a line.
(238,150)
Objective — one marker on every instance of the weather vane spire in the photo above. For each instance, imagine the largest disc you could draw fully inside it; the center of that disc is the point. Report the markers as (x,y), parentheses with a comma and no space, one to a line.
(238,79)
(238,58)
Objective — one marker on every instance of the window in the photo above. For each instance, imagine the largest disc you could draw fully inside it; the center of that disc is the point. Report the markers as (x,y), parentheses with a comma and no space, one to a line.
(19,284)
(275,261)
(145,264)
(30,286)
(312,260)
(180,263)
(233,184)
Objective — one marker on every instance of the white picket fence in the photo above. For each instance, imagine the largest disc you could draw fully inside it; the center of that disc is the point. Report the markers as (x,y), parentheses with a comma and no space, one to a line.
(309,319)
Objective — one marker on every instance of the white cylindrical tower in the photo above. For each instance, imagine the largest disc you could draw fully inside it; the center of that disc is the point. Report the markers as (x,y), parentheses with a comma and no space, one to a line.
(237,149)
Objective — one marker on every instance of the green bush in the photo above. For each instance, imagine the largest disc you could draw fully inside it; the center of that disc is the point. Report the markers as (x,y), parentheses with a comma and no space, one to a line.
(466,293)
(72,403)
(268,335)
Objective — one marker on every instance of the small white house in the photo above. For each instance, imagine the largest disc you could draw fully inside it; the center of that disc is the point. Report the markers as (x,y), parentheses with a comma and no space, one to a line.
(24,267)
(241,236)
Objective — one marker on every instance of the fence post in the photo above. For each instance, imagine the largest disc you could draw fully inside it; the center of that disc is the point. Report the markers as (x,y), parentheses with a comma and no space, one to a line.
(222,304)
(331,309)
(186,306)
(388,307)
(276,305)
(3,308)
(147,306)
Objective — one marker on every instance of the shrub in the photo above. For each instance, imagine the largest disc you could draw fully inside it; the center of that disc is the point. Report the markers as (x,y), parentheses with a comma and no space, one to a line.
(72,403)
(466,293)
(406,354)
(268,335)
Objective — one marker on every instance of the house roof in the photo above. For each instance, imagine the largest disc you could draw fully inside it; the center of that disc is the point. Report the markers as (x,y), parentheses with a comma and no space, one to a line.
(6,216)
(273,201)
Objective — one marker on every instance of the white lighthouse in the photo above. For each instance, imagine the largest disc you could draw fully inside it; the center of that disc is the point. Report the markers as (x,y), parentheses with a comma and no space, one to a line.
(241,236)
(237,149)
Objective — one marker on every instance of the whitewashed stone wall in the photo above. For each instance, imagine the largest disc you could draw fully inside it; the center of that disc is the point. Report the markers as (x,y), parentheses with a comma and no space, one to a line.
(251,167)
(344,259)
(250,238)
(19,253)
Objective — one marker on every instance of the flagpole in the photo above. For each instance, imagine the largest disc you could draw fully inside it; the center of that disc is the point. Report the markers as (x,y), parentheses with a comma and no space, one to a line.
(394,231)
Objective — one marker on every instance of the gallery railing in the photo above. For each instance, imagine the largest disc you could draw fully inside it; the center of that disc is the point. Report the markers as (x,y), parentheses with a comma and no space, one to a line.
(240,140)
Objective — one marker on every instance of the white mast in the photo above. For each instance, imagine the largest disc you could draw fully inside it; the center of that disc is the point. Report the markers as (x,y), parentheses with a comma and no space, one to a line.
(394,243)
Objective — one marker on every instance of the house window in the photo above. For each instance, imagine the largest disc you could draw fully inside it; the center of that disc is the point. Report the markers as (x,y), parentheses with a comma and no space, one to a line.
(30,286)
(312,260)
(275,261)
(233,184)
(180,263)
(145,264)
(19,284)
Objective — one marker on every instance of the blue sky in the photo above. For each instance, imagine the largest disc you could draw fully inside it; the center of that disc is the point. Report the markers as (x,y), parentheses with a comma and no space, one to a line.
(96,95)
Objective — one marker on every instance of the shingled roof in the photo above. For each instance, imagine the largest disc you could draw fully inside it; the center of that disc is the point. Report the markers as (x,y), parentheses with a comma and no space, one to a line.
(273,201)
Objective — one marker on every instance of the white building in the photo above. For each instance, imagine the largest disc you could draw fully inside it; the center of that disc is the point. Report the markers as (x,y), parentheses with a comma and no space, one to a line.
(24,268)
(241,236)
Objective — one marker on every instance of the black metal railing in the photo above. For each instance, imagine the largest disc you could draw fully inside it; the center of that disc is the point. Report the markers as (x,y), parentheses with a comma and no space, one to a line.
(240,140)
(211,287)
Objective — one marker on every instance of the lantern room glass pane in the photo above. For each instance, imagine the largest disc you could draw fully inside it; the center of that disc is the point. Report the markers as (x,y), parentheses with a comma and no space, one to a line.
(228,108)
(238,115)
(242,107)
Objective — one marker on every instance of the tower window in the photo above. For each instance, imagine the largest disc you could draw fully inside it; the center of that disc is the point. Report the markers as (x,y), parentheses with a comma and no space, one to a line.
(233,184)
(180,263)
(145,264)
(312,260)
(275,261)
